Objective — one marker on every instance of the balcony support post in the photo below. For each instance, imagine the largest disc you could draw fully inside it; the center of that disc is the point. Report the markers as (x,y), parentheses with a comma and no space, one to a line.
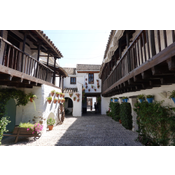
(1,34)
(23,49)
(53,82)
(47,65)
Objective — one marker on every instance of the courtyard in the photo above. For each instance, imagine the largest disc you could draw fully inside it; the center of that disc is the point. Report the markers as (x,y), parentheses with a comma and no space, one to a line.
(90,130)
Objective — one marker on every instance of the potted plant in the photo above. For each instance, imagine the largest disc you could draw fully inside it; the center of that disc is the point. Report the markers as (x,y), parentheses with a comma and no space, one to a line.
(86,84)
(62,100)
(97,80)
(86,87)
(78,100)
(141,97)
(59,100)
(98,85)
(63,95)
(32,97)
(172,96)
(95,89)
(150,98)
(74,98)
(86,79)
(111,99)
(49,99)
(57,94)
(89,90)
(50,123)
(92,86)
(55,100)
(77,95)
(125,99)
(70,94)
(115,99)
(52,92)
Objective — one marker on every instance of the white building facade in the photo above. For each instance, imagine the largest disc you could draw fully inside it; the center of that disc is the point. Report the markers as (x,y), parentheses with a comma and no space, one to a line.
(84,76)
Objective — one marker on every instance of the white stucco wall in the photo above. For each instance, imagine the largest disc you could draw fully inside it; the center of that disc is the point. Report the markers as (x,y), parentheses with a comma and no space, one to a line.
(43,108)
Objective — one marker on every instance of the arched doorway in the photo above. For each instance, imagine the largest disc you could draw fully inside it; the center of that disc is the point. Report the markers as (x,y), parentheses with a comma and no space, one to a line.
(10,110)
(68,106)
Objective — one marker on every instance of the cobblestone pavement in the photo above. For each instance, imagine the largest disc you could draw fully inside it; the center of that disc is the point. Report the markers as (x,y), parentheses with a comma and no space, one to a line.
(94,130)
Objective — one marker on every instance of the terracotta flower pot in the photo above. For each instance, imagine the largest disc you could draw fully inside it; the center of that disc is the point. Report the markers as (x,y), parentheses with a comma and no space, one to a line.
(52,93)
(120,121)
(89,90)
(50,127)
(78,100)
(57,95)
(86,87)
(55,101)
(58,101)
(94,89)
(31,99)
(49,101)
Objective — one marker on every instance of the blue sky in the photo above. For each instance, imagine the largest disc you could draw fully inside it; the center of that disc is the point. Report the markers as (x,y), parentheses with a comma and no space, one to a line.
(79,46)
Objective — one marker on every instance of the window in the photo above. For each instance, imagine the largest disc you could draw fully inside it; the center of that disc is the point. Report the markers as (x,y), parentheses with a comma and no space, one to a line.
(91,78)
(72,80)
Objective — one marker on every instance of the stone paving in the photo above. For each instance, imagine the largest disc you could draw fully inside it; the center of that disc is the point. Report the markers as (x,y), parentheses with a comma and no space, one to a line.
(90,130)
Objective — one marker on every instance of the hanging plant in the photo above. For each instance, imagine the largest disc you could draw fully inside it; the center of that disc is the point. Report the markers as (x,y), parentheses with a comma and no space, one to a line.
(62,100)
(70,94)
(49,99)
(86,84)
(78,95)
(86,87)
(74,98)
(63,95)
(57,94)
(150,98)
(78,100)
(52,92)
(8,93)
(89,90)
(92,86)
(55,100)
(95,89)
(98,85)
(97,81)
(141,98)
(86,79)
(59,100)
(172,96)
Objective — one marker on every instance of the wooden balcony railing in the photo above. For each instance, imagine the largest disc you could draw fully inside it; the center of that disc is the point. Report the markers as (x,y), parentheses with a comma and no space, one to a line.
(145,46)
(16,59)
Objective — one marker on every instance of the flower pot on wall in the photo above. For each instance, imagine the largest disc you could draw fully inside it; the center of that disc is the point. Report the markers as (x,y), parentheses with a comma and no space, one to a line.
(173,99)
(49,101)
(126,100)
(111,100)
(141,100)
(150,100)
(115,100)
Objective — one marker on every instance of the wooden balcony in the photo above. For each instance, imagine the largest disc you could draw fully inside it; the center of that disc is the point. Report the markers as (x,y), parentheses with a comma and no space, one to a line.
(148,62)
(20,69)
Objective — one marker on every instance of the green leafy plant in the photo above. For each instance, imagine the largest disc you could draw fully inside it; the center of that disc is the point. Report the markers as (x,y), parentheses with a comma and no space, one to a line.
(49,98)
(172,94)
(115,111)
(124,98)
(51,121)
(156,123)
(4,121)
(7,93)
(125,115)
(141,96)
(53,91)
(116,98)
(150,96)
